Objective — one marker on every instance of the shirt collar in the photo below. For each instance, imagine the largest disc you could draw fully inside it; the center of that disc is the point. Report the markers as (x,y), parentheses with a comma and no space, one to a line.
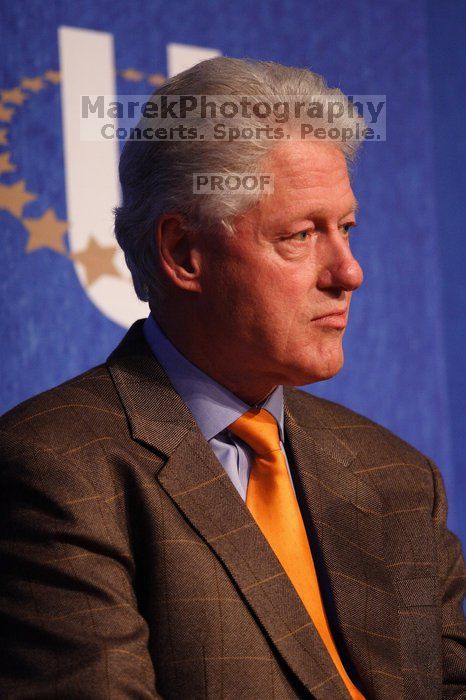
(213,406)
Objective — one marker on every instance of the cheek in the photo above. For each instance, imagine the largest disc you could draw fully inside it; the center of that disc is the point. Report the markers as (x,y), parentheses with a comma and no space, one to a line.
(292,283)
(261,290)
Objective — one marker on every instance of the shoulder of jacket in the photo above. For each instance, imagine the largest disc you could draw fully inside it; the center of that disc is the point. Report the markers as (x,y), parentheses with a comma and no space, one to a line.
(75,406)
(351,427)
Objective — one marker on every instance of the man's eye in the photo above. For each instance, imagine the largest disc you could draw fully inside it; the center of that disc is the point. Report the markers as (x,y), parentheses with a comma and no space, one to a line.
(346,228)
(301,235)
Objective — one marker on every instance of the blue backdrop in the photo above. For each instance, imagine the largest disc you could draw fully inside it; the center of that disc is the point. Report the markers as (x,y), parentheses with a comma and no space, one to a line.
(405,363)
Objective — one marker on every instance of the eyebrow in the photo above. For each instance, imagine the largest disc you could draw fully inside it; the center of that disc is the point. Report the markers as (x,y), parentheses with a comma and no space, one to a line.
(354,208)
(320,212)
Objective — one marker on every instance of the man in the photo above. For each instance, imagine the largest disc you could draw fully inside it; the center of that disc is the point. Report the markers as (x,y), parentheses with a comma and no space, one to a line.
(181,522)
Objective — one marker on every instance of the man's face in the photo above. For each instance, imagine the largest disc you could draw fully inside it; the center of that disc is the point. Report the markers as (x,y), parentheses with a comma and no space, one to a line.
(276,294)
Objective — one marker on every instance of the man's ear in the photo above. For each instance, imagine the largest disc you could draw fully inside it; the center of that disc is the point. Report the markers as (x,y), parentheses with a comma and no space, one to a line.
(178,254)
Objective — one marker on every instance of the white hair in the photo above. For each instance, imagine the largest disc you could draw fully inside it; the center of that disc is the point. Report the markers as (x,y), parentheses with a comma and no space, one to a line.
(157,176)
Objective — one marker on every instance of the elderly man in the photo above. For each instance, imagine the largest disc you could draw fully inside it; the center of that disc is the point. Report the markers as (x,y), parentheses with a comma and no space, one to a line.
(182,523)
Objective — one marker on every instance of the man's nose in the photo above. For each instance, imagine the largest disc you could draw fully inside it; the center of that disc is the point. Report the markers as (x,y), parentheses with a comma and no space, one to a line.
(340,269)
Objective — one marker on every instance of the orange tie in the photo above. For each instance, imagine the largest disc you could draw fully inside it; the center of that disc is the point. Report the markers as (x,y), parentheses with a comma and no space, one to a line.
(272,502)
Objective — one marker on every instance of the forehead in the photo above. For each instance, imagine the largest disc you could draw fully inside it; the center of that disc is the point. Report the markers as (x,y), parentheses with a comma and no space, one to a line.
(308,178)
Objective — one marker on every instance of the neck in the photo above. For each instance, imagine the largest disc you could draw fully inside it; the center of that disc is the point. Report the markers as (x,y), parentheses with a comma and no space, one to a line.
(208,354)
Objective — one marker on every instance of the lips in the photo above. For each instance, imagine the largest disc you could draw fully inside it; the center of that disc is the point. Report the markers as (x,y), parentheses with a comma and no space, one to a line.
(334,318)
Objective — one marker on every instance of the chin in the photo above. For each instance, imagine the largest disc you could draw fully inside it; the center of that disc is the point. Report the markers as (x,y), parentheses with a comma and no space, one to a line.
(318,371)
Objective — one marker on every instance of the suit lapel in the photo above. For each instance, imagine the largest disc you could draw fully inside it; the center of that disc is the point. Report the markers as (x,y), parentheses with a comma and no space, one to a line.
(204,494)
(345,519)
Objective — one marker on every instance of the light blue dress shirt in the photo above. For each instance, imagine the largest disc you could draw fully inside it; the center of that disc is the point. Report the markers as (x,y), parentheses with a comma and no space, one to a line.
(213,406)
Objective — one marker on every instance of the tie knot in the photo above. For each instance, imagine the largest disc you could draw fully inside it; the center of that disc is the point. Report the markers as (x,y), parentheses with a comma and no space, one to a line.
(258,429)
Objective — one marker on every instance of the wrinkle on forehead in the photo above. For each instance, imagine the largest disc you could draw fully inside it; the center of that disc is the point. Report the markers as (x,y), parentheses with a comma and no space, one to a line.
(311,182)
(310,179)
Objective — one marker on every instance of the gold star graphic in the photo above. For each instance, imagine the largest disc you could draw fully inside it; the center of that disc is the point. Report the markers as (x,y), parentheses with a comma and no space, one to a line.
(5,165)
(156,79)
(6,113)
(53,76)
(46,232)
(134,75)
(3,138)
(97,261)
(15,96)
(33,84)
(14,197)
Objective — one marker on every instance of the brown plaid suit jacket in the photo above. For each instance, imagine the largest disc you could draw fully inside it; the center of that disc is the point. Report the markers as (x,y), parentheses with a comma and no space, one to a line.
(131,568)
